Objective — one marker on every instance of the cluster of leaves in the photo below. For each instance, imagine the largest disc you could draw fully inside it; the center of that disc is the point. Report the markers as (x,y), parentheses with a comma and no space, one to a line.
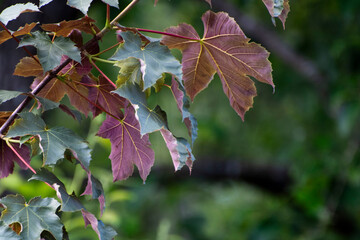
(63,66)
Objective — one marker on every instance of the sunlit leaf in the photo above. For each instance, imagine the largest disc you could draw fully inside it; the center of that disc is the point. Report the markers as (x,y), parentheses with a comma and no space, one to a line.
(50,52)
(128,147)
(104,232)
(53,141)
(223,49)
(44,2)
(35,216)
(113,3)
(155,58)
(14,11)
(69,203)
(82,5)
(8,157)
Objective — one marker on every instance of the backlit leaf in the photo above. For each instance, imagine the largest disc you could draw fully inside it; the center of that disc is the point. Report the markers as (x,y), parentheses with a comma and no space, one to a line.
(28,67)
(64,28)
(278,8)
(14,11)
(183,104)
(128,147)
(70,203)
(129,71)
(35,216)
(104,232)
(8,157)
(50,52)
(6,233)
(101,95)
(223,49)
(150,120)
(6,95)
(155,59)
(4,35)
(53,141)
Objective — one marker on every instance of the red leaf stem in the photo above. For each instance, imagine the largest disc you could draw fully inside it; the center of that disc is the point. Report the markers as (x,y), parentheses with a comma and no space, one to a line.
(20,157)
(103,74)
(165,33)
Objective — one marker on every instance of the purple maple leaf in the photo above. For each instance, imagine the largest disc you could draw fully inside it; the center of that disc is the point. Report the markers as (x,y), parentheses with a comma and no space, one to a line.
(7,158)
(127,146)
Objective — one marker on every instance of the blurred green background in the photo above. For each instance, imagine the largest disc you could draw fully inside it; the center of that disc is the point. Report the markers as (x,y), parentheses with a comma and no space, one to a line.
(291,170)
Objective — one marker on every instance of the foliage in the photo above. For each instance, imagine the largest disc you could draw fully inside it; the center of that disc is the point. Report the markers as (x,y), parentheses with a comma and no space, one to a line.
(64,65)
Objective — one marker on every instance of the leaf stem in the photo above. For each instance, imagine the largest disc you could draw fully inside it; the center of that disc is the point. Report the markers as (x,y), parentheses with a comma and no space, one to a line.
(108,49)
(124,11)
(18,41)
(103,74)
(165,33)
(103,60)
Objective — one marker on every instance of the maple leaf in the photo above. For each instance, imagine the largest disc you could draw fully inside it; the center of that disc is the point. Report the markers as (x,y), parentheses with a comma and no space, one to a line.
(7,233)
(70,203)
(50,52)
(101,95)
(64,28)
(150,120)
(95,189)
(44,2)
(8,157)
(179,148)
(28,67)
(53,141)
(183,104)
(278,8)
(155,59)
(226,50)
(35,216)
(14,11)
(6,95)
(4,35)
(83,5)
(104,232)
(128,147)
(55,90)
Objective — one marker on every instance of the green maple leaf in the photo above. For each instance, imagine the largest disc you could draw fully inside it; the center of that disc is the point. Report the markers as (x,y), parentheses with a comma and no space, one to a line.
(7,233)
(6,95)
(150,120)
(70,203)
(54,141)
(83,5)
(50,52)
(36,216)
(155,58)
